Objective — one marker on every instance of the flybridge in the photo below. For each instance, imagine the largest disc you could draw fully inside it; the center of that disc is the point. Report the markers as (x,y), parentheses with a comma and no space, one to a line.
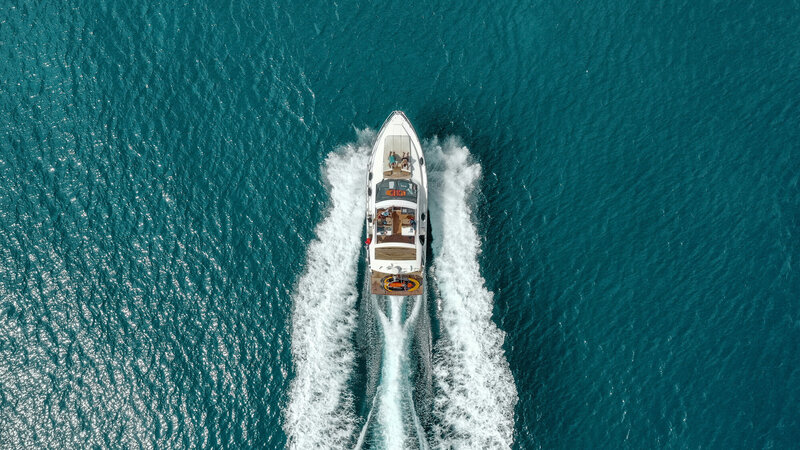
(396,211)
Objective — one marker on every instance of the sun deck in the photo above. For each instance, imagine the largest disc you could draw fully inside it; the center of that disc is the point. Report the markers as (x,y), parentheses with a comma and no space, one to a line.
(397,163)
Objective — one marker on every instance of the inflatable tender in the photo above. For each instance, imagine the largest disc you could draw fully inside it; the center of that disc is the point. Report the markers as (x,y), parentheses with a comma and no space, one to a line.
(393,284)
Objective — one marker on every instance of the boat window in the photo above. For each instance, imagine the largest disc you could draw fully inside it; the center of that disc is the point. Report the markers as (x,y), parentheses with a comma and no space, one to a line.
(396,190)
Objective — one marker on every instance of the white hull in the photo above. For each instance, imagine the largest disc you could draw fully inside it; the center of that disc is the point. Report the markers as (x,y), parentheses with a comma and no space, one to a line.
(397,209)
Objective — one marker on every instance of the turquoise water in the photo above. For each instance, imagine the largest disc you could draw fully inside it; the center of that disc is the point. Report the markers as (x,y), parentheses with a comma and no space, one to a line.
(632,172)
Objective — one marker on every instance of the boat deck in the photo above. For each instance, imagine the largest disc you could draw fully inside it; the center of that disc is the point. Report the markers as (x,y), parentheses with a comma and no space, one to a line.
(395,224)
(403,285)
(397,173)
(397,164)
(396,253)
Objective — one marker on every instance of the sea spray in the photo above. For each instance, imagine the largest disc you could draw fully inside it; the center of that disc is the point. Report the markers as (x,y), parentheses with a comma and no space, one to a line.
(320,412)
(475,393)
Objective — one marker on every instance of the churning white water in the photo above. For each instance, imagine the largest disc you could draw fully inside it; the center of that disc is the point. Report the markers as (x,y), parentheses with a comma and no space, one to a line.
(393,374)
(475,392)
(320,410)
(398,426)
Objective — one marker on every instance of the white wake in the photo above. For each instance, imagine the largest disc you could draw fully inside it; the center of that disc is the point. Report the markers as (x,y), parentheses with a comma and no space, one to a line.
(320,412)
(397,418)
(475,391)
(392,383)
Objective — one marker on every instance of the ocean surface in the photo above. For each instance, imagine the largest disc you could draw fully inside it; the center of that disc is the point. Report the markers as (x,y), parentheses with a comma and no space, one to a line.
(615,211)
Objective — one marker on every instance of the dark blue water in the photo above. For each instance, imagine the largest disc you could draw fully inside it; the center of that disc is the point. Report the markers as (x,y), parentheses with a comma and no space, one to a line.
(632,172)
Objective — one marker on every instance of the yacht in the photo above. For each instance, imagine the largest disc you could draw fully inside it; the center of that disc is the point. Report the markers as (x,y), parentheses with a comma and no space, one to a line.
(397,210)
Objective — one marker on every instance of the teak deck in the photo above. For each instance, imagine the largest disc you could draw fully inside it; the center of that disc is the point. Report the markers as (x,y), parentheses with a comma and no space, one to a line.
(396,253)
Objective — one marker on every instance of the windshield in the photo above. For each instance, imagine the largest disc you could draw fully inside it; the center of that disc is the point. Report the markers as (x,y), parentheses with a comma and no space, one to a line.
(396,190)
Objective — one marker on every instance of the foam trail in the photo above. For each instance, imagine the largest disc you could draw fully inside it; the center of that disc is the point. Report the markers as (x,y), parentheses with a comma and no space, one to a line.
(391,417)
(422,439)
(475,391)
(320,412)
(365,428)
(409,326)
(396,412)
